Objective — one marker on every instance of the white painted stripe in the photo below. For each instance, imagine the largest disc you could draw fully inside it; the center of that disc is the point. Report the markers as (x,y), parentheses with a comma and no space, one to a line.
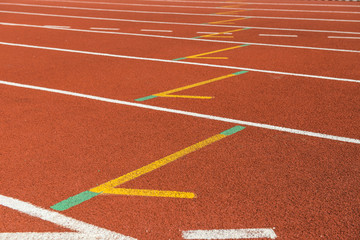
(179,62)
(53,26)
(120,10)
(190,39)
(198,115)
(218,15)
(230,233)
(214,33)
(153,30)
(53,236)
(106,29)
(276,35)
(342,37)
(261,3)
(58,219)
(176,23)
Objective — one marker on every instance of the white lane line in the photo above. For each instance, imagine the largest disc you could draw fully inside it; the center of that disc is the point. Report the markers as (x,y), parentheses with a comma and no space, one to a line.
(175,23)
(260,3)
(106,29)
(277,35)
(198,7)
(54,26)
(237,16)
(341,37)
(189,39)
(153,30)
(230,233)
(214,33)
(91,231)
(120,10)
(179,62)
(181,112)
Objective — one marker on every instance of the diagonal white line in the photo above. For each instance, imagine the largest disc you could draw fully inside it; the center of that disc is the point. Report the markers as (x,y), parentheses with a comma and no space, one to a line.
(199,115)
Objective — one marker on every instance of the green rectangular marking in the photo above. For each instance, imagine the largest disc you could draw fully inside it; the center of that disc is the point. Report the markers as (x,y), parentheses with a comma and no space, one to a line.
(177,59)
(241,72)
(232,130)
(73,201)
(247,28)
(196,37)
(245,45)
(145,98)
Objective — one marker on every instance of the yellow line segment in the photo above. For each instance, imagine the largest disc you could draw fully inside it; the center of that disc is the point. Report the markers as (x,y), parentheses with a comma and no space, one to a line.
(219,33)
(230,21)
(148,193)
(208,53)
(110,185)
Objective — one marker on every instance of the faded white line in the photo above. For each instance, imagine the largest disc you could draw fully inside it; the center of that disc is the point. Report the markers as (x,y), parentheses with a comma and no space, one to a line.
(179,62)
(342,37)
(230,233)
(198,115)
(175,23)
(154,30)
(260,3)
(227,8)
(277,35)
(54,26)
(218,15)
(58,219)
(106,29)
(189,39)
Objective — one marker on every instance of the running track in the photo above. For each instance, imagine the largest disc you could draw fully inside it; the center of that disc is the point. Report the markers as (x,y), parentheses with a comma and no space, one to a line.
(179,119)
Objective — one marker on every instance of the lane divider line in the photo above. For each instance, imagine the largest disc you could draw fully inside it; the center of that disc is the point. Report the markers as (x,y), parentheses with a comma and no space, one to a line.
(169,93)
(231,12)
(179,62)
(110,186)
(201,55)
(194,39)
(229,21)
(245,233)
(343,37)
(106,29)
(219,34)
(153,30)
(186,113)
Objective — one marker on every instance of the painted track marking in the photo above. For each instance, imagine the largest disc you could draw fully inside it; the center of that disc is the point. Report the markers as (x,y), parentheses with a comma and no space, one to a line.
(218,34)
(169,93)
(277,35)
(230,233)
(178,62)
(55,26)
(106,29)
(181,38)
(110,186)
(343,37)
(173,23)
(201,55)
(187,113)
(229,21)
(83,230)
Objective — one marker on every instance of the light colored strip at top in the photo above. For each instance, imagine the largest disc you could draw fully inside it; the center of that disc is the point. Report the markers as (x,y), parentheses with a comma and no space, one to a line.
(262,3)
(175,23)
(198,7)
(179,62)
(246,233)
(59,219)
(191,39)
(186,113)
(219,14)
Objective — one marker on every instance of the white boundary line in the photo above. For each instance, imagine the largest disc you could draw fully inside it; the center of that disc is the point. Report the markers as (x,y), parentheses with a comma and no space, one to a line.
(230,233)
(175,23)
(261,3)
(188,39)
(219,8)
(101,28)
(59,219)
(154,30)
(218,15)
(342,37)
(198,115)
(179,62)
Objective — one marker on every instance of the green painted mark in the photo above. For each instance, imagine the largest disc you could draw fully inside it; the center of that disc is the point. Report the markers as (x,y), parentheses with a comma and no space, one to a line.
(241,72)
(73,201)
(145,98)
(247,28)
(245,45)
(177,59)
(232,130)
(197,37)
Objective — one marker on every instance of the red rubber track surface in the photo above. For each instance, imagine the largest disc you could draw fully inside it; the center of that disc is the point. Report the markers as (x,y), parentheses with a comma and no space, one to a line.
(55,146)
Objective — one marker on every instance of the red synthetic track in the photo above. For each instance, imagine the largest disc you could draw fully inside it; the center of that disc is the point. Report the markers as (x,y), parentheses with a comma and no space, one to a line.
(56,146)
